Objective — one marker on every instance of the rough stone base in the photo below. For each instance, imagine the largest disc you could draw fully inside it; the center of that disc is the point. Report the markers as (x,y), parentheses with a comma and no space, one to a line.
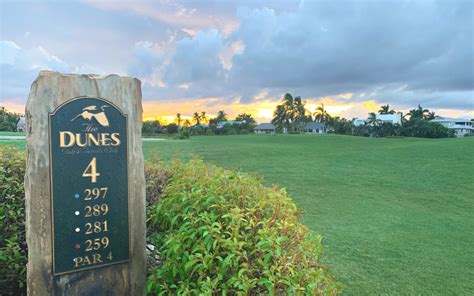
(48,91)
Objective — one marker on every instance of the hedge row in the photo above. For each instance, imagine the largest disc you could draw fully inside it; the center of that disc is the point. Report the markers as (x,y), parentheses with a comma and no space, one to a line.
(13,250)
(222,232)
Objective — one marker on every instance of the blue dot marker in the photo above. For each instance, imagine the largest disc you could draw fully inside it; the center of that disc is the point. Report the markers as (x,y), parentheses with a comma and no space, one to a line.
(76,196)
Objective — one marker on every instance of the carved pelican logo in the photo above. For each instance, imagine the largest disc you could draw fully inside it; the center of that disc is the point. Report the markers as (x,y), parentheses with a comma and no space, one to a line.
(90,112)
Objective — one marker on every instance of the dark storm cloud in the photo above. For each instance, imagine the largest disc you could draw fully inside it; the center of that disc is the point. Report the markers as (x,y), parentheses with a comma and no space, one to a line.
(325,48)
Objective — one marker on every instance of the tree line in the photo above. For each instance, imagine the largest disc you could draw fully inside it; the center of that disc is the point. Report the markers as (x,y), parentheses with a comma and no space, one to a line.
(291,115)
(8,120)
(202,124)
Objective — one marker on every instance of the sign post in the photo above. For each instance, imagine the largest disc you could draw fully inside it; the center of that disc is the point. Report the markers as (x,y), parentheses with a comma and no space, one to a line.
(85,186)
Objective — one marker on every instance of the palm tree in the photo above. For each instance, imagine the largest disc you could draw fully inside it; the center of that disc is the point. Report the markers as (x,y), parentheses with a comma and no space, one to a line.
(178,118)
(197,118)
(321,115)
(279,117)
(290,114)
(418,113)
(187,123)
(431,115)
(300,113)
(221,116)
(203,117)
(372,119)
(289,105)
(385,109)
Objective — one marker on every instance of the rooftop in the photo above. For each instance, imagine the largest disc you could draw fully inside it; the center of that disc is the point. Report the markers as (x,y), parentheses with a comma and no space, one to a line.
(448,119)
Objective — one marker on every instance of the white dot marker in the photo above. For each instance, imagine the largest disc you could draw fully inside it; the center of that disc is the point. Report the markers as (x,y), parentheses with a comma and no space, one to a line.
(78,229)
(76,213)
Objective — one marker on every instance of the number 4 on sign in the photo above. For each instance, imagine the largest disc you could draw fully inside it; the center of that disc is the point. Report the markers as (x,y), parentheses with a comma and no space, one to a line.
(91,171)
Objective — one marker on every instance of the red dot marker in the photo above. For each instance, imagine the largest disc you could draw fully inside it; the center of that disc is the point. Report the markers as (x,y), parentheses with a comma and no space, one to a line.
(78,246)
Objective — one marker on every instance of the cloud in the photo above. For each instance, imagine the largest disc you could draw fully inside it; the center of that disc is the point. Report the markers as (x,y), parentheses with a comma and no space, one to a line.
(173,13)
(407,53)
(248,52)
(19,67)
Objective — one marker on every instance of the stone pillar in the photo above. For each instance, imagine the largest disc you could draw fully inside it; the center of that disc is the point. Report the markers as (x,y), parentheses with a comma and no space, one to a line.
(48,91)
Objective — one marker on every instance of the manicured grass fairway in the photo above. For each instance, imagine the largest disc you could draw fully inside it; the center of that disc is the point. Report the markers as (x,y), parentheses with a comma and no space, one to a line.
(396,215)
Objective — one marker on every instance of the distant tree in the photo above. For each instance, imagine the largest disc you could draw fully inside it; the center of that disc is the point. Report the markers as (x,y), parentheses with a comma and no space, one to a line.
(172,128)
(178,119)
(289,107)
(385,129)
(196,118)
(204,117)
(221,116)
(372,119)
(300,118)
(151,127)
(8,120)
(361,130)
(290,114)
(385,109)
(425,129)
(213,123)
(229,129)
(340,125)
(245,117)
(279,117)
(187,123)
(247,122)
(418,113)
(431,115)
(321,115)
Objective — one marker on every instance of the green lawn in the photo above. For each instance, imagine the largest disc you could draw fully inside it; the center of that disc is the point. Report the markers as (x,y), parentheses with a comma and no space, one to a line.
(12,133)
(396,215)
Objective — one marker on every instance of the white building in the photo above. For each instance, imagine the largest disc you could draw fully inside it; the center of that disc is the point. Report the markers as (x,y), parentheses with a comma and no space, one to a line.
(359,121)
(460,126)
(308,128)
(390,118)
(21,124)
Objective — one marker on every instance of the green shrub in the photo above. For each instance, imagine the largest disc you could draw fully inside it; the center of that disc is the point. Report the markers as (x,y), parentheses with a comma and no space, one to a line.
(13,251)
(183,133)
(217,231)
(223,232)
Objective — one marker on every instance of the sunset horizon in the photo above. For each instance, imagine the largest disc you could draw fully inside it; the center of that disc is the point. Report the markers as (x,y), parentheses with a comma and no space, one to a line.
(244,56)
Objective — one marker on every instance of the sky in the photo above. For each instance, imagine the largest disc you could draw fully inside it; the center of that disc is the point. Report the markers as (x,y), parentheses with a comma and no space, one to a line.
(243,56)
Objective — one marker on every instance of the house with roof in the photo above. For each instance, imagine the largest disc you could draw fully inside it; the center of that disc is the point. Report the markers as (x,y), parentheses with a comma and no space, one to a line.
(21,125)
(231,122)
(461,126)
(307,128)
(388,118)
(314,127)
(359,121)
(265,128)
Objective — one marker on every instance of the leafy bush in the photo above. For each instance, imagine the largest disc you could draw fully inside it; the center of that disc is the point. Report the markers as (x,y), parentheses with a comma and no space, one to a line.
(223,232)
(217,231)
(151,127)
(425,129)
(183,133)
(13,251)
